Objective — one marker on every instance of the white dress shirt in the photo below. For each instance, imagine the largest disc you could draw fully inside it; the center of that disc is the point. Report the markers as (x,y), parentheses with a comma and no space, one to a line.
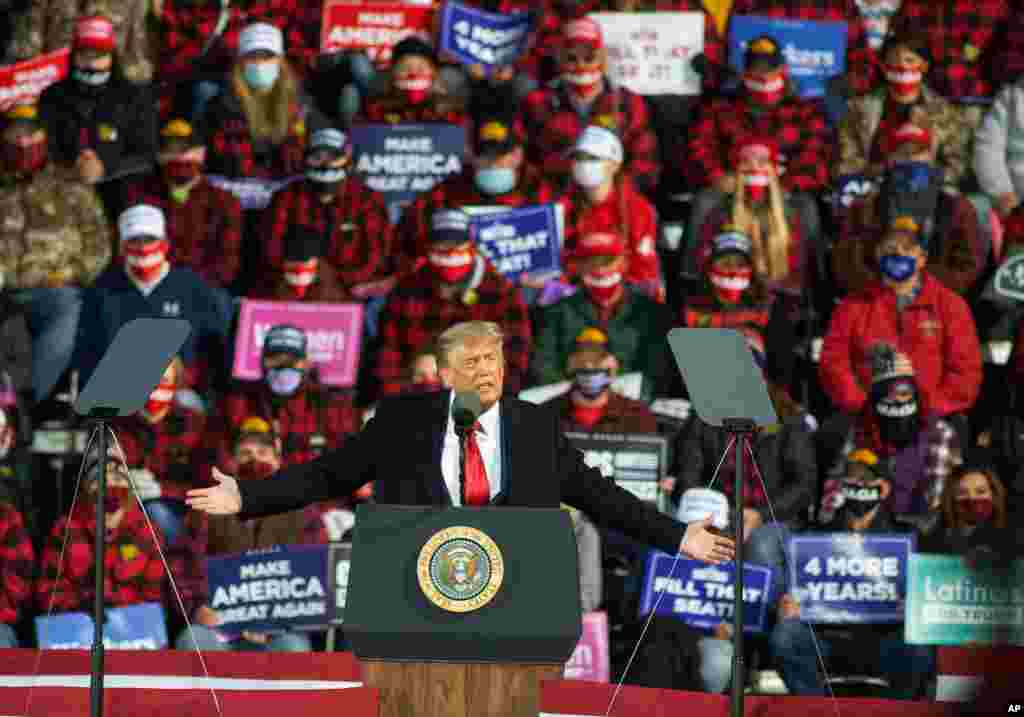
(489,441)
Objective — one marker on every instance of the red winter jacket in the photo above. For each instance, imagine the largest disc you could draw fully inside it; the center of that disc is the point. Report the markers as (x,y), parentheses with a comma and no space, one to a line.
(936,332)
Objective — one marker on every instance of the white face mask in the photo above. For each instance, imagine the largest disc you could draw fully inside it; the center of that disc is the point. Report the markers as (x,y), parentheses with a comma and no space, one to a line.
(588,173)
(582,79)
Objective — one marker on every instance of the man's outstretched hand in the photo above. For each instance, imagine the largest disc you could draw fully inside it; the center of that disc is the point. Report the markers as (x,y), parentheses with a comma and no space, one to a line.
(700,543)
(221,499)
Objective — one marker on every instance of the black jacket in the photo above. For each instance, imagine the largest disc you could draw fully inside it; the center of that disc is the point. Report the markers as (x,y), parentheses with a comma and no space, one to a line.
(786,459)
(120,120)
(400,450)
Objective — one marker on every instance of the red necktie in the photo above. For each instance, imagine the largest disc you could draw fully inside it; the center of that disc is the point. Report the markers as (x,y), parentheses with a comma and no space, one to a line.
(475,490)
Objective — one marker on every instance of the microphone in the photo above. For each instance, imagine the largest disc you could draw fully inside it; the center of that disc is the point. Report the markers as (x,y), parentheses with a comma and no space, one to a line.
(466,408)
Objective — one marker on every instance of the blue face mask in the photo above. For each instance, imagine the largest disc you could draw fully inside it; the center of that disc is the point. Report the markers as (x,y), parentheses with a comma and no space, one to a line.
(261,75)
(284,381)
(897,267)
(592,382)
(910,176)
(495,180)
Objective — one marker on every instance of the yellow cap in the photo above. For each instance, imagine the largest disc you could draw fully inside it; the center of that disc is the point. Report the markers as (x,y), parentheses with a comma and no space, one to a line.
(606,121)
(22,112)
(764,45)
(255,424)
(865,456)
(905,224)
(493,132)
(590,335)
(177,129)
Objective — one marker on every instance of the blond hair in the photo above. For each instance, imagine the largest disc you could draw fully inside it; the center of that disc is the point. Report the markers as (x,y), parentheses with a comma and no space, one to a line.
(269,116)
(457,335)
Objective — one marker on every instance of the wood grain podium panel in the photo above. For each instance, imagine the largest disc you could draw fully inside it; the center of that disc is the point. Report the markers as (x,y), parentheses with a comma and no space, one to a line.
(439,689)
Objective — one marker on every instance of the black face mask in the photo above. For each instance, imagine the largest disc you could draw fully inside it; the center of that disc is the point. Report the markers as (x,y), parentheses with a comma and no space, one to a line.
(895,405)
(860,499)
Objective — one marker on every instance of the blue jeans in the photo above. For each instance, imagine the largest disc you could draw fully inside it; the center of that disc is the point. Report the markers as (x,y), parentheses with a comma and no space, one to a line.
(210,640)
(715,663)
(168,516)
(767,547)
(8,638)
(52,316)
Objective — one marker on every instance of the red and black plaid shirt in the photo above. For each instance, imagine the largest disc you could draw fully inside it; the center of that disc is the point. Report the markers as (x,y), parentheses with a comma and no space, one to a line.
(230,145)
(205,232)
(805,145)
(412,237)
(313,420)
(355,227)
(19,564)
(552,126)
(860,58)
(415,314)
(965,38)
(172,450)
(134,572)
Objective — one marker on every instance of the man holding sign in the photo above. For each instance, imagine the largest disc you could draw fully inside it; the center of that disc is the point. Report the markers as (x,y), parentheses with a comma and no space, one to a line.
(854,585)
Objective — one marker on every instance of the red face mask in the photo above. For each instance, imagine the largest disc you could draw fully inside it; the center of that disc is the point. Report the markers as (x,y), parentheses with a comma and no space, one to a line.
(587,416)
(144,262)
(452,266)
(904,80)
(416,86)
(756,186)
(765,91)
(25,157)
(582,80)
(181,171)
(976,510)
(161,398)
(729,285)
(256,470)
(603,287)
(300,275)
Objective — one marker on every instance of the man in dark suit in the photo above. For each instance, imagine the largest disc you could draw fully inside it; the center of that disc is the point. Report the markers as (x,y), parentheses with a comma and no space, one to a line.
(515,455)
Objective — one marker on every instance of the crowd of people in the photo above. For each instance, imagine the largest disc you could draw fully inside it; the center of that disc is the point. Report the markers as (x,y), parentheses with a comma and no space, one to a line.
(891,358)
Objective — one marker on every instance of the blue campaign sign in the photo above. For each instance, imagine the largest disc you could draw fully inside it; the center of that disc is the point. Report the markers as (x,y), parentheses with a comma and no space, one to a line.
(701,595)
(477,37)
(814,51)
(281,588)
(519,241)
(133,627)
(850,578)
(403,160)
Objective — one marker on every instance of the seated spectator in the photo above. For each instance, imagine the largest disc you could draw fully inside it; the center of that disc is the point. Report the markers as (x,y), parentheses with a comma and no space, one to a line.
(134,571)
(257,455)
(164,449)
(144,283)
(498,175)
(877,16)
(258,125)
(455,284)
(929,327)
(18,561)
(997,164)
(307,416)
(590,405)
(48,26)
(973,517)
(877,649)
(329,229)
(601,198)
(634,324)
(767,107)
(905,98)
(946,224)
(98,122)
(415,93)
(204,222)
(583,95)
(55,241)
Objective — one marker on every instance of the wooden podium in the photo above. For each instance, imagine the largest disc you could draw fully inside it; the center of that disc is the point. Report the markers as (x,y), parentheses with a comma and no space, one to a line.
(432,651)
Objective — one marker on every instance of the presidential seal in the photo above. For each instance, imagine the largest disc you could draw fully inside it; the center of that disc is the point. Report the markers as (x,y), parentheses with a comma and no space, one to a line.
(460,569)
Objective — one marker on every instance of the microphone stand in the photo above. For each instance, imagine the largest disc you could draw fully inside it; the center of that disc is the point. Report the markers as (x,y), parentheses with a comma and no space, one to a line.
(99,573)
(460,431)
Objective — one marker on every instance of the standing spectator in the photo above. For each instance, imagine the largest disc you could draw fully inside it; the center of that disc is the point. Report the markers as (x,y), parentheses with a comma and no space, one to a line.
(634,324)
(423,369)
(929,327)
(305,415)
(48,25)
(455,284)
(342,222)
(98,122)
(584,95)
(17,571)
(54,241)
(602,198)
(257,455)
(204,222)
(877,16)
(866,132)
(497,176)
(997,163)
(134,571)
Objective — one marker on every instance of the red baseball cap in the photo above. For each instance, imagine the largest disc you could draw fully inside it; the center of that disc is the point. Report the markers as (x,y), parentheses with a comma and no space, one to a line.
(600,244)
(585,32)
(95,32)
(907,133)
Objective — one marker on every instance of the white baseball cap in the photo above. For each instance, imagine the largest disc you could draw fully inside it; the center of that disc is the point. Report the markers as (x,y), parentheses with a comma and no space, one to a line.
(142,220)
(699,503)
(260,36)
(599,142)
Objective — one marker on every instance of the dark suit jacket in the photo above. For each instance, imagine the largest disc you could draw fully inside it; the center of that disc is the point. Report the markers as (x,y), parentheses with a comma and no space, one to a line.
(400,450)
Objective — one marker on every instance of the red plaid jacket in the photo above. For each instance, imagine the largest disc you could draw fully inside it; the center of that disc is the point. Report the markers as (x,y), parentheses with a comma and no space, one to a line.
(805,145)
(860,58)
(134,571)
(173,450)
(415,314)
(205,232)
(966,41)
(185,27)
(412,237)
(19,565)
(312,421)
(355,226)
(552,126)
